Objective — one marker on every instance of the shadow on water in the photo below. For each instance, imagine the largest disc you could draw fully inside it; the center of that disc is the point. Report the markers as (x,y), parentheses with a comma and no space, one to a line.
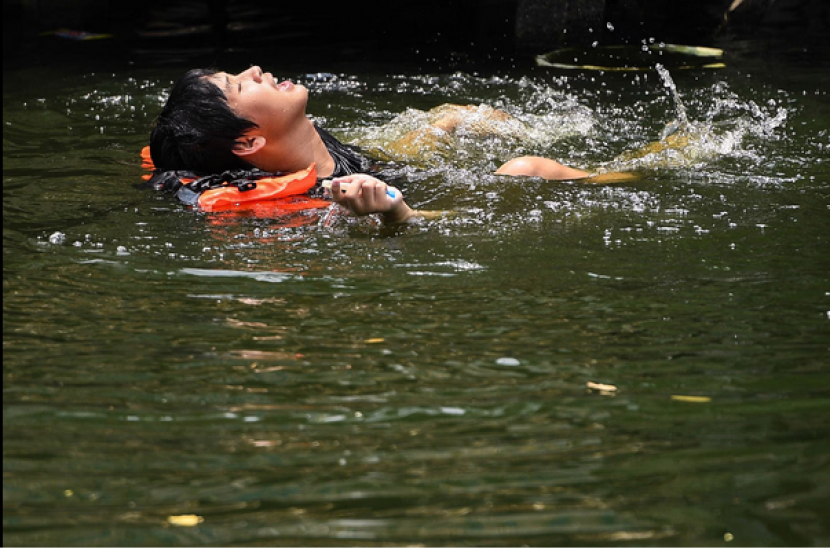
(553,364)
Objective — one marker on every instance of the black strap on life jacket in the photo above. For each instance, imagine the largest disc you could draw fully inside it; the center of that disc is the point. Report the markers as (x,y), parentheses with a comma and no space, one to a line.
(171,181)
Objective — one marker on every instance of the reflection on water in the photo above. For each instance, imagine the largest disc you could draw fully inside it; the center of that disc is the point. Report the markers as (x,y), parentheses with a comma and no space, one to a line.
(312,379)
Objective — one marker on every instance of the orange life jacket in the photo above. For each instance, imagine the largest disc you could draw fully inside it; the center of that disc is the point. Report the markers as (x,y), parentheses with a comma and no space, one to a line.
(273,189)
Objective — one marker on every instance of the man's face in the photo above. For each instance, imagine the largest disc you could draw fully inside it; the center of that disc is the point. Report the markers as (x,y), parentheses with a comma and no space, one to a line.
(257,97)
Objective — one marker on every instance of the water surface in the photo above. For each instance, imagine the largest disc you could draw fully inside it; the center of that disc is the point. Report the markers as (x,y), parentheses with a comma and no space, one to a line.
(311,379)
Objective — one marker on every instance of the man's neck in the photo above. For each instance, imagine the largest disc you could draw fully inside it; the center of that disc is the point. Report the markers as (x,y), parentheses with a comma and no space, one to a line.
(295,151)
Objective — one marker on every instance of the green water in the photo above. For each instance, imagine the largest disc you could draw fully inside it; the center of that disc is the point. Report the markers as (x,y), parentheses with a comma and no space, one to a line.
(312,380)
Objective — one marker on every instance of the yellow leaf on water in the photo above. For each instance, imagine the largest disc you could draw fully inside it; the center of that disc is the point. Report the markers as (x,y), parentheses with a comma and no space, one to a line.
(684,398)
(184,520)
(374,340)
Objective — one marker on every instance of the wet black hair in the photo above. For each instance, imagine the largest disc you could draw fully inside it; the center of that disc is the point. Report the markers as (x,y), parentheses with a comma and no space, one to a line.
(196,129)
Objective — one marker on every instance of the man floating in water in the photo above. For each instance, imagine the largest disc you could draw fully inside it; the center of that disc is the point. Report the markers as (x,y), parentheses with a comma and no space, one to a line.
(248,125)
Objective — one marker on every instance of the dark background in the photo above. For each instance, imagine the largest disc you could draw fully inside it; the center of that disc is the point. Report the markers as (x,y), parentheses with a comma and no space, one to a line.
(446,34)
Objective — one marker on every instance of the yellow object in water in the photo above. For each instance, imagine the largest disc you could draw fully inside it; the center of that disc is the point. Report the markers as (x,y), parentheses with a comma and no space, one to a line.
(685,398)
(185,520)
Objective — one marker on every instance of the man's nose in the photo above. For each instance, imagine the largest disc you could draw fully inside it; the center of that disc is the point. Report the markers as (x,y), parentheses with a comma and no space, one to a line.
(254,73)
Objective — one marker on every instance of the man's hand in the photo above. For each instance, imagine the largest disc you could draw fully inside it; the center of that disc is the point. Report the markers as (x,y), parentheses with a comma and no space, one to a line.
(364,194)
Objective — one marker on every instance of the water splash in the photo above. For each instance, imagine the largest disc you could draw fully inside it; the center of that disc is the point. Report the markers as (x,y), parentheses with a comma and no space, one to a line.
(714,134)
(682,118)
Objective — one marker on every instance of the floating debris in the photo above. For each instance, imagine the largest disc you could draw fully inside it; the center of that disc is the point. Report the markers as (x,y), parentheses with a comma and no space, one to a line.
(603,388)
(76,35)
(685,398)
(185,520)
(633,58)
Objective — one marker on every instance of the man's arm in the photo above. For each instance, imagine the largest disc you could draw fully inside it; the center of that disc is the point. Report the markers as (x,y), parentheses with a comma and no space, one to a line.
(546,168)
(537,166)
